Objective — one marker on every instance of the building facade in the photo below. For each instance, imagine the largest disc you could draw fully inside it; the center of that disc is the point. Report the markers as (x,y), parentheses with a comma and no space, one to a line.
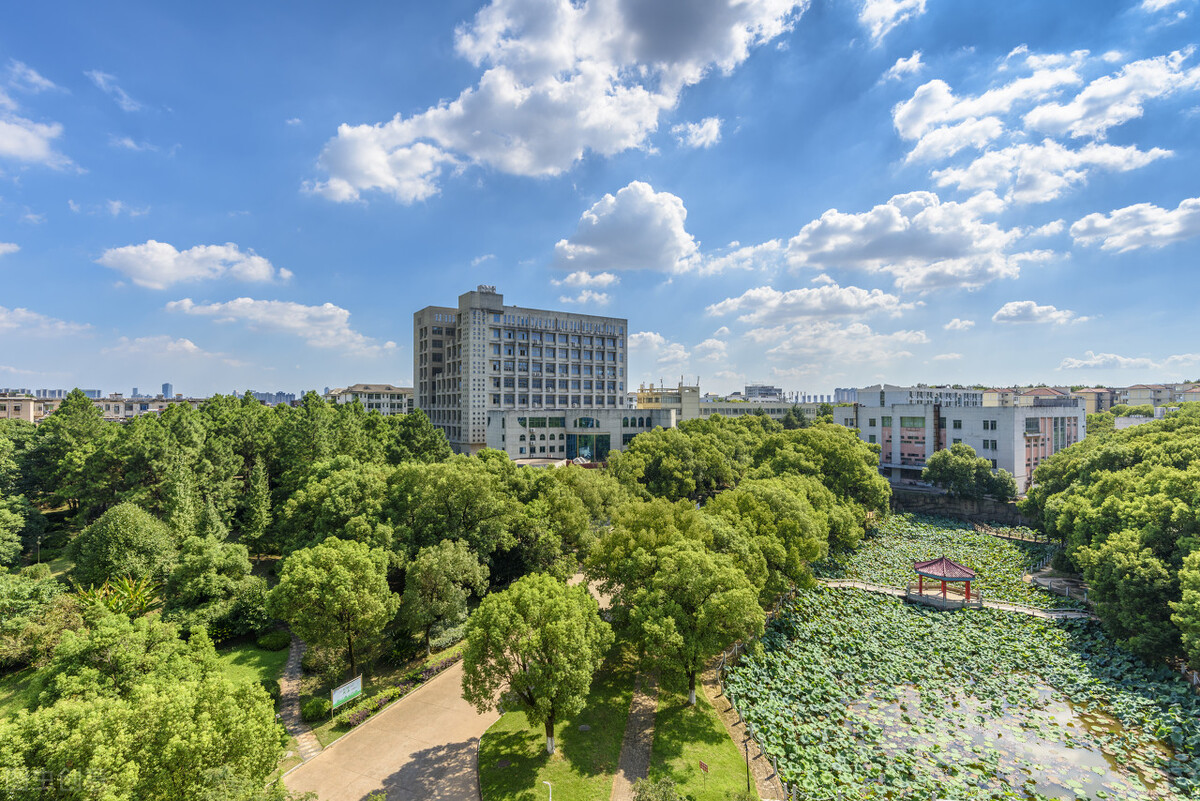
(483,359)
(1016,438)
(383,398)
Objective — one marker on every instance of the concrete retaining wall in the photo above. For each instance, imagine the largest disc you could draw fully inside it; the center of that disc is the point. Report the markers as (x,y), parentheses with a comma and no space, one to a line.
(985,510)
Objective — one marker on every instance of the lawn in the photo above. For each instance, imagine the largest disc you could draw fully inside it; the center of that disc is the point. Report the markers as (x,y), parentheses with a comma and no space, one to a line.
(16,692)
(683,736)
(512,755)
(248,662)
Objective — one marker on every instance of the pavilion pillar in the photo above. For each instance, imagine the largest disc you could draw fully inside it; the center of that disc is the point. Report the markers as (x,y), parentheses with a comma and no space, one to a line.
(943,589)
(920,584)
(968,592)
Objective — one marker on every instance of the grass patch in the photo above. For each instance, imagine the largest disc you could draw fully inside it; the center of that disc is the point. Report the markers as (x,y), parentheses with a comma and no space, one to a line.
(60,565)
(248,662)
(16,692)
(684,735)
(373,683)
(583,767)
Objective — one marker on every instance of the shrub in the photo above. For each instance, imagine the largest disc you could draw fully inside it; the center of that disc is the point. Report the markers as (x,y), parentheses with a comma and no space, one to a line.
(661,790)
(315,709)
(272,688)
(275,640)
(448,637)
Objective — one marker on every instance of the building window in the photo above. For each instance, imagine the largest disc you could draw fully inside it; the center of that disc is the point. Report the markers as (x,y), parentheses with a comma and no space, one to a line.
(958,425)
(912,422)
(871,438)
(886,422)
(957,441)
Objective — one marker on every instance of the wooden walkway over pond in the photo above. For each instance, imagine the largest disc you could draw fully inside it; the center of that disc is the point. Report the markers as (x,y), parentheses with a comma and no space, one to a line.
(930,600)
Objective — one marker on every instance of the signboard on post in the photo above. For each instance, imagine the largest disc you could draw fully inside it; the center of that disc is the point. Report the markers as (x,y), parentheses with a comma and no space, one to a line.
(347,692)
(704,766)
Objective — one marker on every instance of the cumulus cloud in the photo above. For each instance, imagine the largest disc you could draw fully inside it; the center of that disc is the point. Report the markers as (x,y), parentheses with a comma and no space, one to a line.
(958,324)
(325,326)
(904,66)
(650,350)
(825,342)
(711,350)
(1103,361)
(1027,311)
(879,17)
(164,346)
(158,265)
(741,257)
(1140,225)
(636,229)
(1115,99)
(766,304)
(8,247)
(587,297)
(1036,173)
(943,142)
(108,84)
(582,278)
(923,242)
(560,79)
(705,133)
(22,139)
(947,357)
(24,321)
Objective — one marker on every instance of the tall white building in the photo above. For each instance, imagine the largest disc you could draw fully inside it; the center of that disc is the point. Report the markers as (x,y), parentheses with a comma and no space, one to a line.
(483,359)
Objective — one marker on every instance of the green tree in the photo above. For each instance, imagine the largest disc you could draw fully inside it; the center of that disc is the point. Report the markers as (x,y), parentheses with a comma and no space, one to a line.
(695,605)
(65,440)
(794,418)
(211,586)
(256,514)
(437,584)
(125,541)
(535,645)
(414,439)
(1187,609)
(335,594)
(966,475)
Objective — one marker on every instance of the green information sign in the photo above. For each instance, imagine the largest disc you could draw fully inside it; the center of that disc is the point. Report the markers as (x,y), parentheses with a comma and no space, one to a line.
(347,692)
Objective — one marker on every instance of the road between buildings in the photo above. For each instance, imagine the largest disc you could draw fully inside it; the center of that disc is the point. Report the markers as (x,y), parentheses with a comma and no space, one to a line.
(424,746)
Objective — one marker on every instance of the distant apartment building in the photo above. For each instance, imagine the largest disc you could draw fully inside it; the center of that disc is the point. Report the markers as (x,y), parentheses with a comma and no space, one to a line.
(118,408)
(1096,399)
(1155,394)
(482,366)
(168,390)
(1016,437)
(845,395)
(763,392)
(383,398)
(25,406)
(276,398)
(890,394)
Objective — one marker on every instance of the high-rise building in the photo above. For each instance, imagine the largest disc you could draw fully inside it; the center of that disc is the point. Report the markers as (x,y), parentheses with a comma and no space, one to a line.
(483,362)
(168,390)
(136,394)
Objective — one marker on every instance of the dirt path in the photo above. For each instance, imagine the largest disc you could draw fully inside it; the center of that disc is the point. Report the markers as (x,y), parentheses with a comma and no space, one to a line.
(634,762)
(767,783)
(289,703)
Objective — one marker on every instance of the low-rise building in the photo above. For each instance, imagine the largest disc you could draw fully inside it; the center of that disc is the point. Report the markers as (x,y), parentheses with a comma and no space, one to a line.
(24,406)
(383,398)
(1096,399)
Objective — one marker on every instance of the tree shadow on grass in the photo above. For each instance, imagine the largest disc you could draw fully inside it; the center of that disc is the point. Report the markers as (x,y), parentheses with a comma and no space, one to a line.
(677,726)
(598,749)
(440,773)
(510,762)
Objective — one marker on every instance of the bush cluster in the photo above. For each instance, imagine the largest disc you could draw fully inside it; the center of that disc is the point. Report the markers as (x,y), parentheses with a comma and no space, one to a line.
(274,640)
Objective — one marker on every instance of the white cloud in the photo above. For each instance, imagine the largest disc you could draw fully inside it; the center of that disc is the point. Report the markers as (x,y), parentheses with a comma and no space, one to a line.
(1027,311)
(25,140)
(652,347)
(32,217)
(8,247)
(958,324)
(158,265)
(943,142)
(705,133)
(637,229)
(478,260)
(108,84)
(325,326)
(1036,173)
(766,304)
(127,143)
(879,17)
(587,297)
(923,242)
(24,321)
(1158,5)
(904,66)
(738,257)
(1094,360)
(1140,225)
(581,278)
(825,342)
(1115,99)
(167,347)
(947,357)
(117,207)
(561,78)
(711,350)
(723,331)
(25,78)
(294,121)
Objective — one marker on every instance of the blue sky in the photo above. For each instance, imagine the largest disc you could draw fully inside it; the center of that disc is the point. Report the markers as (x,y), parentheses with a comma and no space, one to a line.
(814,195)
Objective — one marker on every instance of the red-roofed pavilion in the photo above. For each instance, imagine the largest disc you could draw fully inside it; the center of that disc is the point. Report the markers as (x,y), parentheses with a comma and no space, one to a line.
(943,569)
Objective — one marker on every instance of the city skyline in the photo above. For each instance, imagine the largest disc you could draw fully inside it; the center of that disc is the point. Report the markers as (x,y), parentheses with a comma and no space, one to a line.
(809,195)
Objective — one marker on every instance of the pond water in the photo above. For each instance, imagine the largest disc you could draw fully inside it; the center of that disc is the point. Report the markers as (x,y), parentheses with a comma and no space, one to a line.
(1036,746)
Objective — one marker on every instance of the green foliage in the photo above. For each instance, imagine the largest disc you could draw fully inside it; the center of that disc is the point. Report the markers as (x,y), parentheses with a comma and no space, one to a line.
(964,474)
(660,790)
(850,688)
(437,584)
(211,586)
(125,541)
(696,604)
(315,709)
(335,594)
(256,512)
(126,596)
(34,612)
(1124,410)
(58,457)
(1140,489)
(1187,609)
(534,646)
(274,640)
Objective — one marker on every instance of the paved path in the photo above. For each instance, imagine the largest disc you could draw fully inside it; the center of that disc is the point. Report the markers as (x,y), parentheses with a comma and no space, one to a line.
(765,778)
(289,703)
(634,762)
(424,747)
(1003,606)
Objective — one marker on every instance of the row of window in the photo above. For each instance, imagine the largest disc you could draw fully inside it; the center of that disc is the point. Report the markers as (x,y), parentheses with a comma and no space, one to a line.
(562,353)
(563,369)
(563,400)
(574,384)
(563,339)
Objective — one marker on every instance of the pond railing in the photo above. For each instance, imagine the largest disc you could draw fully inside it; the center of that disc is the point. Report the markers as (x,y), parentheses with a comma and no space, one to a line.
(953,598)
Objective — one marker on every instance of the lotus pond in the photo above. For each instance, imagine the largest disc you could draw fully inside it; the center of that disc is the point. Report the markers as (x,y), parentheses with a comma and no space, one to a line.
(860,694)
(887,554)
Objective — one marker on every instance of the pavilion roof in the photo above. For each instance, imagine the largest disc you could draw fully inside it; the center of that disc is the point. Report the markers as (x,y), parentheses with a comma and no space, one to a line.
(943,568)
